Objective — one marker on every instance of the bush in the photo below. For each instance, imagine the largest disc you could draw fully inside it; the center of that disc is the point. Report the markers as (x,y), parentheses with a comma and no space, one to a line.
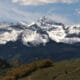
(44,63)
(27,69)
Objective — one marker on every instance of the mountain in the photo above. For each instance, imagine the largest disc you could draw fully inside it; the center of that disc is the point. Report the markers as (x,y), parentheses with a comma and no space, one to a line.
(39,32)
(44,38)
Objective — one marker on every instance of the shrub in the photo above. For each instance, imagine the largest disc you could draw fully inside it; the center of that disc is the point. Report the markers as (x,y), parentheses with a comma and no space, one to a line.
(27,69)
(44,63)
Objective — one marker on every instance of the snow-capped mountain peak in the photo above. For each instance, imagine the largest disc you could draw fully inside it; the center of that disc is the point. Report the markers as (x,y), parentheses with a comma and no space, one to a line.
(39,32)
(48,21)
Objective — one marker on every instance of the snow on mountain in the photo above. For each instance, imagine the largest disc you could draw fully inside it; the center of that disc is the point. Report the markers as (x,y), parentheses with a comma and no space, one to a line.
(33,37)
(39,32)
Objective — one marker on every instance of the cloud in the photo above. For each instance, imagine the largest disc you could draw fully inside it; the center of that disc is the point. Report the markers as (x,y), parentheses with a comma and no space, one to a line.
(39,2)
(20,15)
(16,14)
(13,13)
(35,16)
(77,11)
(59,18)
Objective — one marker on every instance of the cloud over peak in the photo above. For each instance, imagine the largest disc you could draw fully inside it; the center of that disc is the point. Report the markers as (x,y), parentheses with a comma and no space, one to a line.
(39,2)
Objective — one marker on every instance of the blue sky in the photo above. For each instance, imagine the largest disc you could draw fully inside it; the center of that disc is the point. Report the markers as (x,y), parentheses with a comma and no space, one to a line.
(66,11)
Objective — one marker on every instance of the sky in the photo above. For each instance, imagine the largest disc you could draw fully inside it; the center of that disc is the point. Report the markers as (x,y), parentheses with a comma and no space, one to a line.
(65,11)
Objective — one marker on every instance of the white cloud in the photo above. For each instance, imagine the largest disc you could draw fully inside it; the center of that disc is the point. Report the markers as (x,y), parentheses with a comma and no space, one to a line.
(39,2)
(77,11)
(17,15)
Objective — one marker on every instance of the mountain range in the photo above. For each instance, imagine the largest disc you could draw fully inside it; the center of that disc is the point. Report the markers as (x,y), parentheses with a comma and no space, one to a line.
(44,38)
(39,32)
